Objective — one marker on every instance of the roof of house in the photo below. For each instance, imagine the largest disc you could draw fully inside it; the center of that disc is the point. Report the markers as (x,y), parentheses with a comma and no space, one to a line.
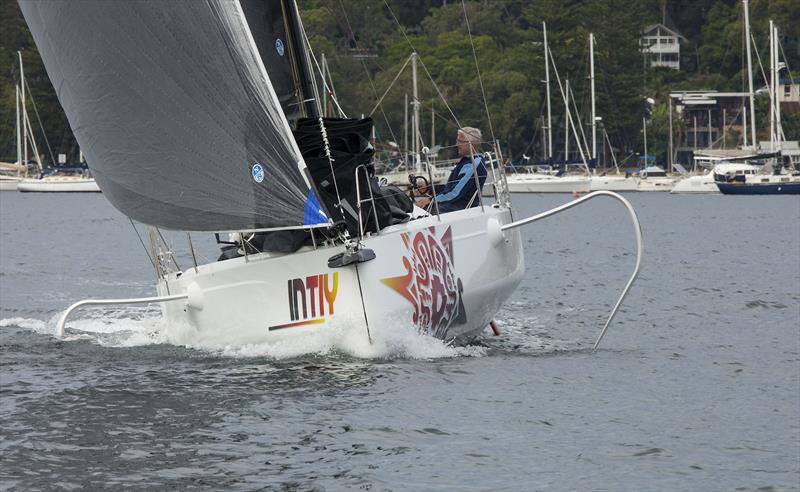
(653,27)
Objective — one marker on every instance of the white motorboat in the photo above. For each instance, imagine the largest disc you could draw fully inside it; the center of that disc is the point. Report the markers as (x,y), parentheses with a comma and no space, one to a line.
(318,246)
(544,183)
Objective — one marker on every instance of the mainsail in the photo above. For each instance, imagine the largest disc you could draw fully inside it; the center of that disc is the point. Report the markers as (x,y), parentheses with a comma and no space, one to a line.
(172,106)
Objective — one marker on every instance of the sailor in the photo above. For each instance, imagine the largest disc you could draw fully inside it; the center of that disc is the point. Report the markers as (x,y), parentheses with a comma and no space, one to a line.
(460,191)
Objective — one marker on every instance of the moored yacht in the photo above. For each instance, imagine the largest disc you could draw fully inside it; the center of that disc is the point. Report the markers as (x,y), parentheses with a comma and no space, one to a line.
(545,183)
(655,178)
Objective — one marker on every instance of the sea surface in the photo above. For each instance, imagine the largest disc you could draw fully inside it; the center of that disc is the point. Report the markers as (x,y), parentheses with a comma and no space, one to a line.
(696,385)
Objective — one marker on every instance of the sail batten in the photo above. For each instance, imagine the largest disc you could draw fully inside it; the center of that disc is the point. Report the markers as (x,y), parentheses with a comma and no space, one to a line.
(178,119)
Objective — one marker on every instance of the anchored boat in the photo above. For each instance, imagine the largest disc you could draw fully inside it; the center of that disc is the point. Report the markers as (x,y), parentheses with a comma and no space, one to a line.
(212,125)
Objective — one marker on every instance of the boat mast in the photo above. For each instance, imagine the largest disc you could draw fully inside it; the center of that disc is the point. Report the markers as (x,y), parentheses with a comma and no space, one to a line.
(749,78)
(304,76)
(19,127)
(778,126)
(324,67)
(433,126)
(415,125)
(405,131)
(594,115)
(566,119)
(671,143)
(549,129)
(772,87)
(644,127)
(24,110)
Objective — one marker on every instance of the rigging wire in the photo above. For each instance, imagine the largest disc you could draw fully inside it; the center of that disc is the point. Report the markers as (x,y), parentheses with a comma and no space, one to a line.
(146,251)
(424,67)
(366,71)
(324,82)
(399,73)
(477,68)
(569,121)
(41,126)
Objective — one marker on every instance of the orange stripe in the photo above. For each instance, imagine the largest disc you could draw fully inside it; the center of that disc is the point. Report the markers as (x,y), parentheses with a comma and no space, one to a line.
(298,323)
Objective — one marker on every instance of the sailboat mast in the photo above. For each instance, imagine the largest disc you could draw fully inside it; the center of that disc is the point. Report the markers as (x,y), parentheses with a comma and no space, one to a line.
(750,75)
(778,126)
(671,143)
(549,130)
(324,68)
(594,115)
(772,87)
(24,110)
(305,82)
(566,119)
(415,126)
(18,125)
(405,130)
(644,127)
(433,126)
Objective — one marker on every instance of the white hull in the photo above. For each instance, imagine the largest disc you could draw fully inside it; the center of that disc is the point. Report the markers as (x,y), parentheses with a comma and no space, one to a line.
(9,183)
(613,183)
(447,278)
(59,184)
(542,183)
(656,184)
(697,184)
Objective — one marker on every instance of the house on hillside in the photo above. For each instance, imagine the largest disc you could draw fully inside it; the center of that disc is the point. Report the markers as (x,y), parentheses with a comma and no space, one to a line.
(661,46)
(789,95)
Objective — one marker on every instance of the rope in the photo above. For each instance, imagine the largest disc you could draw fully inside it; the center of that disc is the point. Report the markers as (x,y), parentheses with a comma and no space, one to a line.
(477,68)
(366,72)
(44,134)
(146,251)
(435,86)
(324,82)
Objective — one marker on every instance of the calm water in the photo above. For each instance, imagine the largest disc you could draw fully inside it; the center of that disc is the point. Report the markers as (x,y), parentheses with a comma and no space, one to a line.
(696,385)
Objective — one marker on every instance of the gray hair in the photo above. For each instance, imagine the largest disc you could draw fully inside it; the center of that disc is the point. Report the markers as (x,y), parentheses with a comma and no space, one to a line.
(472,135)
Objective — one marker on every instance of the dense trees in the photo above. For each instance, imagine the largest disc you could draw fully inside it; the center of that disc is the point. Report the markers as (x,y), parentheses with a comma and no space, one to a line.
(368,41)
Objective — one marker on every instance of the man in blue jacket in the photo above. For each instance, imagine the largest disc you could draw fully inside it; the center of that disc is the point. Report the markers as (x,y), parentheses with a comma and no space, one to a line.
(459,191)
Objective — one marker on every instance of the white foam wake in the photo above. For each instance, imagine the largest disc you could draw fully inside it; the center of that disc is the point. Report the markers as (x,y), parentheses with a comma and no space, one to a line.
(131,327)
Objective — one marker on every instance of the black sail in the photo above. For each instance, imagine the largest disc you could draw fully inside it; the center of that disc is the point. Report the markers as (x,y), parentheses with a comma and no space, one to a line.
(173,108)
(275,29)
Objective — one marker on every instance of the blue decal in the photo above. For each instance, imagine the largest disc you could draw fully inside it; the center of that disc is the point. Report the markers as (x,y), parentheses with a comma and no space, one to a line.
(258,172)
(279,46)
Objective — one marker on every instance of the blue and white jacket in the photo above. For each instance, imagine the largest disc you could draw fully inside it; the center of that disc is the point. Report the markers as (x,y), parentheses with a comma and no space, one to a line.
(459,189)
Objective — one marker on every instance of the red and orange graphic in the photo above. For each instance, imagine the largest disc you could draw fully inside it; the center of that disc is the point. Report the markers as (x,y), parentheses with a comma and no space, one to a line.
(429,283)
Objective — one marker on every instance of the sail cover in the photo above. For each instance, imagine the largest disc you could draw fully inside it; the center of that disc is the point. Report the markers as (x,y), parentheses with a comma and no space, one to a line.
(173,108)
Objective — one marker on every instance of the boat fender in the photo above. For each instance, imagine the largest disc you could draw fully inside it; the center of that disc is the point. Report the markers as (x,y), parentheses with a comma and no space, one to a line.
(195,299)
(351,256)
(495,233)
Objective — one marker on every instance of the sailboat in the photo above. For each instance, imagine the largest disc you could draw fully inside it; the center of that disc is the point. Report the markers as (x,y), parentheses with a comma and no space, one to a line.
(521,182)
(775,178)
(11,173)
(58,179)
(212,125)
